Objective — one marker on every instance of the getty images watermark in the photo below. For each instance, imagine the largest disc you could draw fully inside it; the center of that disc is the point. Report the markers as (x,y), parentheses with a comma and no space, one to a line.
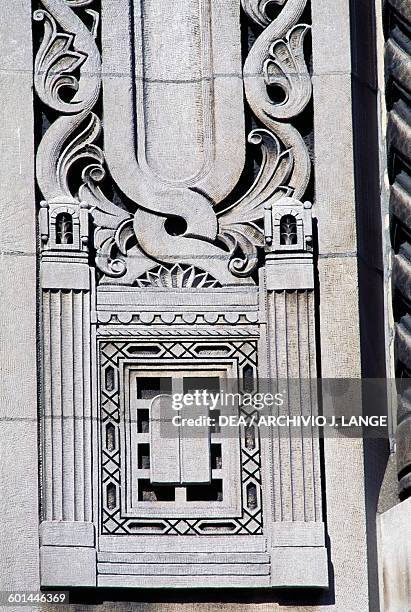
(301,407)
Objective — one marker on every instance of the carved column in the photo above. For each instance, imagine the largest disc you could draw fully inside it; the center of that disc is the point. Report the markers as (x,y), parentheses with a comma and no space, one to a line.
(289,284)
(398,67)
(67,512)
(65,284)
(67,61)
(288,291)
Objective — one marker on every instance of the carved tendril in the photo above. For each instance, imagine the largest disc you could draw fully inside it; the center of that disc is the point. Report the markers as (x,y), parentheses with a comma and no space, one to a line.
(67,60)
(55,65)
(113,225)
(257,9)
(239,228)
(63,59)
(276,58)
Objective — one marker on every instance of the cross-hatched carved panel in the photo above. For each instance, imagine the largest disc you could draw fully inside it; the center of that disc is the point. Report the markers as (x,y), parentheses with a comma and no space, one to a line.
(115,520)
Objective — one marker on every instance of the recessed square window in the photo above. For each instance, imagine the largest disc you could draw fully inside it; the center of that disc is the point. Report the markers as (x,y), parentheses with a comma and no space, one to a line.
(143,456)
(150,387)
(143,420)
(152,493)
(211,492)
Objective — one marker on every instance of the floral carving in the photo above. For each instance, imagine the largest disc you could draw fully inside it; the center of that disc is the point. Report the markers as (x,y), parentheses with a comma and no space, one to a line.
(58,153)
(56,63)
(68,80)
(62,54)
(66,60)
(239,227)
(63,61)
(178,276)
(113,224)
(276,59)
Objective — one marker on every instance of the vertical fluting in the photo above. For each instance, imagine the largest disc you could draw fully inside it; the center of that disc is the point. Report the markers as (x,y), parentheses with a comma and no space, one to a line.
(67,443)
(296,487)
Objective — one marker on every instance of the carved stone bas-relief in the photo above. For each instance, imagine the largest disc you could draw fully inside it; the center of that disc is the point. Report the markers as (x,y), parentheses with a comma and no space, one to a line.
(398,64)
(172,260)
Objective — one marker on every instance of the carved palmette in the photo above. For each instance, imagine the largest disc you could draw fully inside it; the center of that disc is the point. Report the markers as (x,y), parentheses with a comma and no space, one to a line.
(164,265)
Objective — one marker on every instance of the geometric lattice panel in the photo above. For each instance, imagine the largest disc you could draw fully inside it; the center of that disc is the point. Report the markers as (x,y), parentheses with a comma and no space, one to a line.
(111,353)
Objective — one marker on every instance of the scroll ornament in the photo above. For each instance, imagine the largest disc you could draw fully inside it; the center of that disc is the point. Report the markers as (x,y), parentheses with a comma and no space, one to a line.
(68,80)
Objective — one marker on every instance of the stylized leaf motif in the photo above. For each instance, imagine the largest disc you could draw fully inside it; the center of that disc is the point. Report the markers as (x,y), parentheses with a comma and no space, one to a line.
(71,140)
(81,147)
(243,248)
(113,225)
(67,59)
(107,248)
(58,152)
(177,275)
(286,68)
(55,63)
(275,169)
(276,58)
(238,228)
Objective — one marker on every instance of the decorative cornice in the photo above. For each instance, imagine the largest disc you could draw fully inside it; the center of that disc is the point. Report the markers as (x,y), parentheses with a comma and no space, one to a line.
(187,332)
(176,318)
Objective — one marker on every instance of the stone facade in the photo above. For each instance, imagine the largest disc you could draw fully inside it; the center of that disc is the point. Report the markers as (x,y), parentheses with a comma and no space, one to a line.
(187,210)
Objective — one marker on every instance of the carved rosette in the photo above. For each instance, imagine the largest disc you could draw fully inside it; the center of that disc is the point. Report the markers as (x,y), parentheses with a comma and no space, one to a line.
(398,70)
